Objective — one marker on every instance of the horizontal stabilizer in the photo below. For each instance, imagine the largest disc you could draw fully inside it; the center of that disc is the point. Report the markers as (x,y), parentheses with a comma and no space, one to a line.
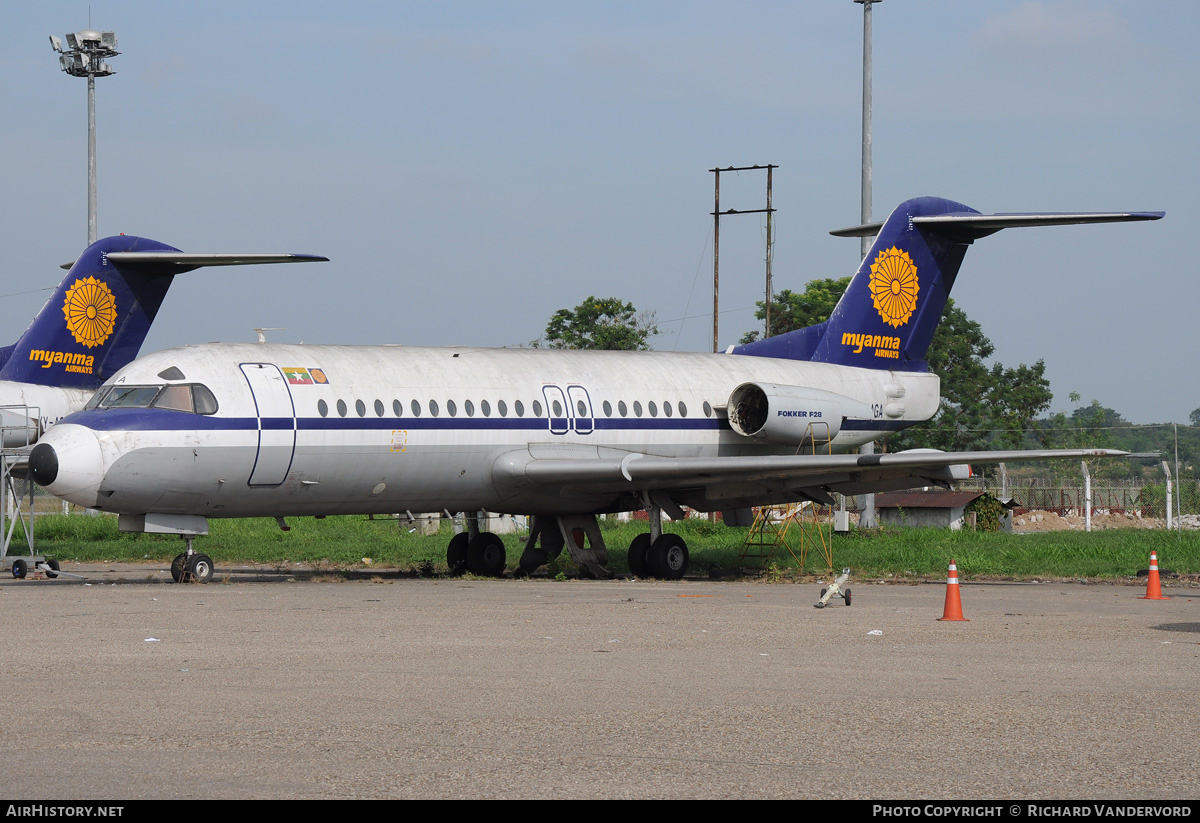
(970,225)
(178,262)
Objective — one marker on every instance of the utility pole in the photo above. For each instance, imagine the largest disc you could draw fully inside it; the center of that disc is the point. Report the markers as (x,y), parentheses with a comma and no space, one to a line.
(84,57)
(716,213)
(867,516)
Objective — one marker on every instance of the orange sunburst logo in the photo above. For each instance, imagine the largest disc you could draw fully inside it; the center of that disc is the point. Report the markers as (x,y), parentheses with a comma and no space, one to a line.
(894,286)
(91,312)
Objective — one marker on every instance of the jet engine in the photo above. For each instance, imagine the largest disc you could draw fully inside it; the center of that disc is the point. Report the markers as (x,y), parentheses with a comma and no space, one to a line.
(17,429)
(795,415)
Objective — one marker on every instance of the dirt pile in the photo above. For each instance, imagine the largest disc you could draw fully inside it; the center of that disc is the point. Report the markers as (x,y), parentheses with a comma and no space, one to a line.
(1044,521)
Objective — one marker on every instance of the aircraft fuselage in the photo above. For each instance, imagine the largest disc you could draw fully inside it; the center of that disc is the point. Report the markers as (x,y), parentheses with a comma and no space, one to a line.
(312,430)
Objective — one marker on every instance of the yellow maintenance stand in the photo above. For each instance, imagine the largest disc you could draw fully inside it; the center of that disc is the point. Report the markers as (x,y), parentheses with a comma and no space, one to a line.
(810,523)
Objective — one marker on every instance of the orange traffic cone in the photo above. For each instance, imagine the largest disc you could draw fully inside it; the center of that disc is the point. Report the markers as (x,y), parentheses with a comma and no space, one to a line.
(953,610)
(1153,590)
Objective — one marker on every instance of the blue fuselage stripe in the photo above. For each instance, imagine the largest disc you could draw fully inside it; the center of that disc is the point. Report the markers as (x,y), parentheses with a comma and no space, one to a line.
(164,420)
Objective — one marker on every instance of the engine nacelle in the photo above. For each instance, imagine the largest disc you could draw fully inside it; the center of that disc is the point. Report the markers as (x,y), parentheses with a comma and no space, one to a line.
(795,415)
(17,429)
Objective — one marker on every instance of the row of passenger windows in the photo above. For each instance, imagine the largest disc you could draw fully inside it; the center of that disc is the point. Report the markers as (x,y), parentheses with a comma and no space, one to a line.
(518,408)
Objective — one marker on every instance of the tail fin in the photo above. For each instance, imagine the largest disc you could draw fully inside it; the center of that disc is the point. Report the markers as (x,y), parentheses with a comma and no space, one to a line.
(887,317)
(98,317)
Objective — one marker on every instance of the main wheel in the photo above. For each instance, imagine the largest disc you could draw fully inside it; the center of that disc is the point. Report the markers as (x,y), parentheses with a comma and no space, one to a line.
(486,555)
(200,567)
(638,550)
(456,554)
(20,568)
(53,568)
(177,567)
(667,558)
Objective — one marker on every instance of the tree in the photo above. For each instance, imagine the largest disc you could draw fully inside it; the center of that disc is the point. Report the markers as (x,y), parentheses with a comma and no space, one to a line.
(791,311)
(600,323)
(981,407)
(1195,416)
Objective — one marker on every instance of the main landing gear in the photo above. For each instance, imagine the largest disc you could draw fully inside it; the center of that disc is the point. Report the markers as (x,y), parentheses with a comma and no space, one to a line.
(480,553)
(664,556)
(191,567)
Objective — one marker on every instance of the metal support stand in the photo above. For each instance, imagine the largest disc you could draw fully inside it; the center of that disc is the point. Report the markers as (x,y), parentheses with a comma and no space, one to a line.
(16,506)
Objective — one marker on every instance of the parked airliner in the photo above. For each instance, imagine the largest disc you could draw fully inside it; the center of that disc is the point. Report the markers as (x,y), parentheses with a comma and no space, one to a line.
(241,430)
(91,327)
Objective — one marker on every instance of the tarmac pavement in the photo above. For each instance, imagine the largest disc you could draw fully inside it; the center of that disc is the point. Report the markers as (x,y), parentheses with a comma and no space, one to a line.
(272,684)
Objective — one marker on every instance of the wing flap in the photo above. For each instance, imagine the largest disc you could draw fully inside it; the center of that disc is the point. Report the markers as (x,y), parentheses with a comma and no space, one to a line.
(648,472)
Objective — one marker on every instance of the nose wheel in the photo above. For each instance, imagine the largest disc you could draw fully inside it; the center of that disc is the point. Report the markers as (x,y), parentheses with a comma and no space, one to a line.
(191,567)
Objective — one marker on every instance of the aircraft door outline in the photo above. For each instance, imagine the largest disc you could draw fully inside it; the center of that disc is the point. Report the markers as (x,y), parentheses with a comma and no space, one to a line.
(558,410)
(569,411)
(580,404)
(276,414)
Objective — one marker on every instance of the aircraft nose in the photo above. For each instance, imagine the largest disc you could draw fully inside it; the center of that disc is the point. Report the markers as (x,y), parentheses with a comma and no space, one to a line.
(43,464)
(67,462)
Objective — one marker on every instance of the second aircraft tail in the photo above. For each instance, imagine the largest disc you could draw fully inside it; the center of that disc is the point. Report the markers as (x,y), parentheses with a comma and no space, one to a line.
(887,317)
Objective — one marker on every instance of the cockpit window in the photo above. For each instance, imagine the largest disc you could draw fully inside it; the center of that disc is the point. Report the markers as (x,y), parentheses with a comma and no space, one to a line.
(204,399)
(192,398)
(178,398)
(129,397)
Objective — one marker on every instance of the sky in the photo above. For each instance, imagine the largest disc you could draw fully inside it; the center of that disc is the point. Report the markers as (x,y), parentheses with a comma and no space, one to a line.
(471,167)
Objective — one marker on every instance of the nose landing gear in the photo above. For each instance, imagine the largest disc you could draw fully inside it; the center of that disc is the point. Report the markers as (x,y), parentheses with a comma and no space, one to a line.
(191,567)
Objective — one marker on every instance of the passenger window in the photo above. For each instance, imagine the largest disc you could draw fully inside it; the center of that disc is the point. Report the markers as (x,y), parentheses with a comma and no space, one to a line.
(379,408)
(707,409)
(622,408)
(682,409)
(607,409)
(582,408)
(537,408)
(557,409)
(469,408)
(397,408)
(653,409)
(433,408)
(502,407)
(637,408)
(322,408)
(486,408)
(519,408)
(451,409)
(361,408)
(341,407)
(416,408)
(666,408)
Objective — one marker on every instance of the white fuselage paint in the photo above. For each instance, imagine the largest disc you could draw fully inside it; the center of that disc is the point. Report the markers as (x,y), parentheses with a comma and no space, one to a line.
(27,410)
(241,461)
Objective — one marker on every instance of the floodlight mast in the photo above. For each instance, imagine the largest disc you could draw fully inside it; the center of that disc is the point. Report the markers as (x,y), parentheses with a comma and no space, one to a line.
(85,56)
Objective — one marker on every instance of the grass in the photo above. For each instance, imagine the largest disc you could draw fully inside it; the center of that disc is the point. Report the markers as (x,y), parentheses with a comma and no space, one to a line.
(344,542)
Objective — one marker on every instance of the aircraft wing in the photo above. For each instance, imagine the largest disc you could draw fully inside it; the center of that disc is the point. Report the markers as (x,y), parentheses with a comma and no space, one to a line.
(708,483)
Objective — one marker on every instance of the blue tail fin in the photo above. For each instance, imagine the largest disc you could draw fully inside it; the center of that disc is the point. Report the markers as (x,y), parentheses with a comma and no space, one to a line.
(95,322)
(100,314)
(887,317)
